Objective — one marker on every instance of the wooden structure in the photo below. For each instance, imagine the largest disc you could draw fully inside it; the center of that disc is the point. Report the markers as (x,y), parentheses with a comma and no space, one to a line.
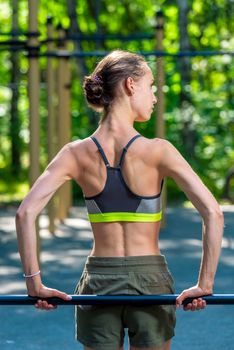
(63,117)
(160,106)
(52,139)
(33,93)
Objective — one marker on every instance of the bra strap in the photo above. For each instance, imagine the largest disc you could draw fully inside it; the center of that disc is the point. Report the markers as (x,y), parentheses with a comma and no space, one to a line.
(100,150)
(126,148)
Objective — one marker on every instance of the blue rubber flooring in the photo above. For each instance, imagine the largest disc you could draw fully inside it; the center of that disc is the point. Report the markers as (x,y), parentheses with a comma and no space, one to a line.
(63,258)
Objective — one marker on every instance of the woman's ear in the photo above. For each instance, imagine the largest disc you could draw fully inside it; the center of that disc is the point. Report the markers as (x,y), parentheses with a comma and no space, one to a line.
(129,86)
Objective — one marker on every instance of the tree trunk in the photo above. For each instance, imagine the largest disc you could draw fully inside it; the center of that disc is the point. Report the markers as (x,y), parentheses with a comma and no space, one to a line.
(184,62)
(95,8)
(229,8)
(188,134)
(75,30)
(81,66)
(14,115)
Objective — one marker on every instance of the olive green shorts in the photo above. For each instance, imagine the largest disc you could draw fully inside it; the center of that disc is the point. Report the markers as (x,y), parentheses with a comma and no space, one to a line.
(101,327)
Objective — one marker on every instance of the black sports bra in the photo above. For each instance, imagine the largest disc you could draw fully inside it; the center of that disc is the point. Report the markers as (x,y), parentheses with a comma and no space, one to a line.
(116,202)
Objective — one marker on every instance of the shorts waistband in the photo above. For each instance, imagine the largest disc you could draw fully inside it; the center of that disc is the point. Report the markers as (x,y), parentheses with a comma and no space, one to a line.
(122,263)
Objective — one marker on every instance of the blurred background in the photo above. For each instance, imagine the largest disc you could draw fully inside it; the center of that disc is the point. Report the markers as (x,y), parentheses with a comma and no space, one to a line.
(198,88)
(46,49)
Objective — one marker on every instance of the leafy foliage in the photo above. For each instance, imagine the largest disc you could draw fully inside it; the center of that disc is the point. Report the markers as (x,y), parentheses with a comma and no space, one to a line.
(208,116)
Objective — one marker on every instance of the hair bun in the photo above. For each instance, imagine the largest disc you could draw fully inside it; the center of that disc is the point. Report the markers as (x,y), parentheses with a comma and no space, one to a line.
(93,88)
(101,87)
(98,79)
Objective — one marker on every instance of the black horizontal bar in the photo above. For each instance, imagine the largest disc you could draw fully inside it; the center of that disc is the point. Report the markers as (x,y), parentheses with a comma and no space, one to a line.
(88,37)
(163,299)
(82,54)
(13,42)
(97,37)
(20,33)
(57,54)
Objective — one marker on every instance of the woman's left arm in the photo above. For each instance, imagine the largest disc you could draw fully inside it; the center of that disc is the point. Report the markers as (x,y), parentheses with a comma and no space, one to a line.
(62,168)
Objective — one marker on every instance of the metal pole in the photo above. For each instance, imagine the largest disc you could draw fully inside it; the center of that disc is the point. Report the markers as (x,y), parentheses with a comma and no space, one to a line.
(163,299)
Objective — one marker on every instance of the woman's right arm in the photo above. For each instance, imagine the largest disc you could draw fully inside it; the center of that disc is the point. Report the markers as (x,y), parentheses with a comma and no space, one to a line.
(61,169)
(172,164)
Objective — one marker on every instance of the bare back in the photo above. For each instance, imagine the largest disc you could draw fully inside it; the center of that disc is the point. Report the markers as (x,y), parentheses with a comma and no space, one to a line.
(146,163)
(142,177)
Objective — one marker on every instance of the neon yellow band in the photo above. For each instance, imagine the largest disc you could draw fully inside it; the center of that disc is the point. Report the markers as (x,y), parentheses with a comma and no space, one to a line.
(122,216)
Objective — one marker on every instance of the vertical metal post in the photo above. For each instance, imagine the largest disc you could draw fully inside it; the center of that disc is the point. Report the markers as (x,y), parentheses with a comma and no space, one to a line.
(33,94)
(52,131)
(64,124)
(160,107)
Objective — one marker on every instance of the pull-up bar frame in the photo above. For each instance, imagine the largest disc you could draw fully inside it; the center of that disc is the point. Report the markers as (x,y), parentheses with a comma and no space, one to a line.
(162,299)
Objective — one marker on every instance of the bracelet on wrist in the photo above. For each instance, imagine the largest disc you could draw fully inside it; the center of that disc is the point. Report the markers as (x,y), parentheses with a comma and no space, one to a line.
(32,275)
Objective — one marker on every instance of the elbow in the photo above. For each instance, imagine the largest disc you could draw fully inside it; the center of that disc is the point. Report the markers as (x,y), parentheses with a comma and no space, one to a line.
(215,213)
(23,214)
(20,215)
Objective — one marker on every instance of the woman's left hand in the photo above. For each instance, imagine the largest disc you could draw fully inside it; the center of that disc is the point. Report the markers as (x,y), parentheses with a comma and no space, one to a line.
(45,292)
(194,292)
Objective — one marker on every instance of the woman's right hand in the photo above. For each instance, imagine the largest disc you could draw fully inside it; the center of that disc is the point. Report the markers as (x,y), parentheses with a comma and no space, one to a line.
(196,293)
(45,292)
